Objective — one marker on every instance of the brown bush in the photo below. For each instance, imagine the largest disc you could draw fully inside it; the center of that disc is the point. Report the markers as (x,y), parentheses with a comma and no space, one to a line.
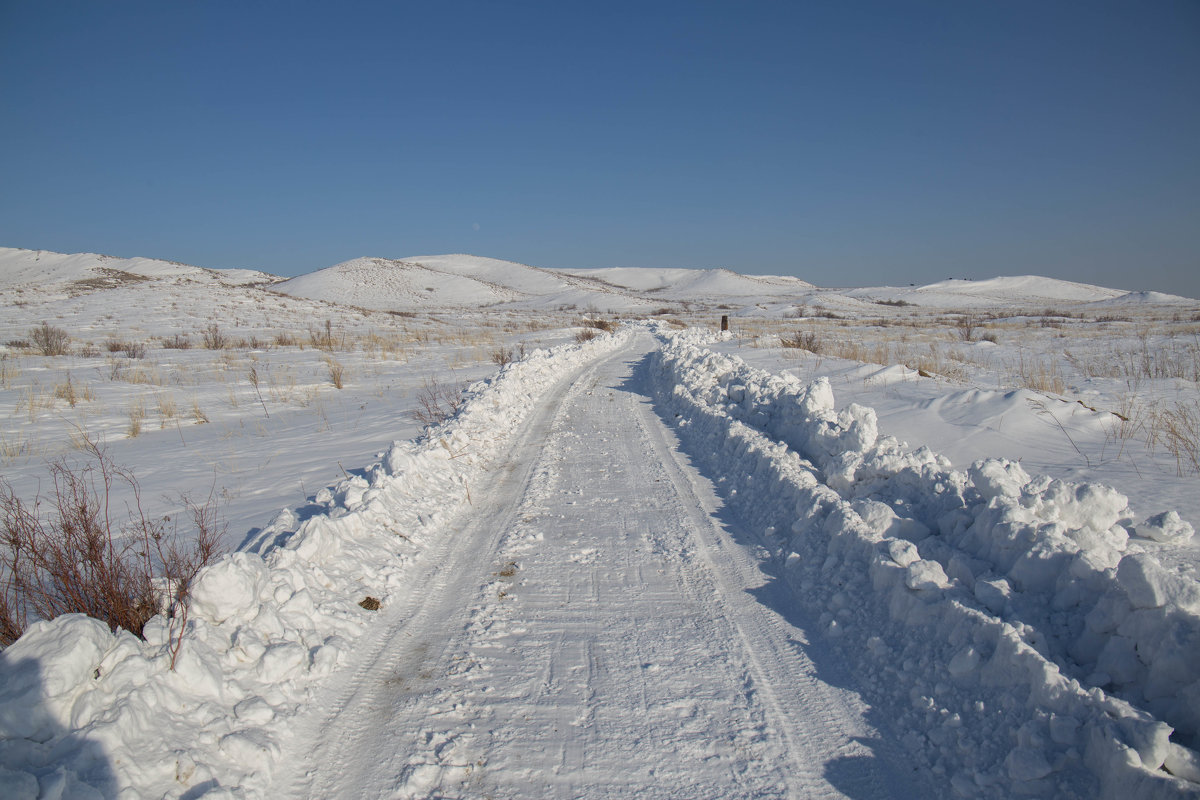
(437,401)
(51,341)
(78,558)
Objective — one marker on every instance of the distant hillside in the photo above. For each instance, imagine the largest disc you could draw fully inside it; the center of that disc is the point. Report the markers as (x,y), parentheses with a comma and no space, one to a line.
(84,272)
(447,282)
(427,282)
(1021,290)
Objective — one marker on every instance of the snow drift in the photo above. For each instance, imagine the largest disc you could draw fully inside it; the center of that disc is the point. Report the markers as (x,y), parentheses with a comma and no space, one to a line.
(1009,622)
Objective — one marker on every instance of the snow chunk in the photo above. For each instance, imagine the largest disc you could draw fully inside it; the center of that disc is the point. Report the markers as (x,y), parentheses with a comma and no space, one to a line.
(1183,763)
(228,588)
(927,576)
(998,477)
(1166,527)
(43,670)
(1148,585)
(1027,764)
(903,552)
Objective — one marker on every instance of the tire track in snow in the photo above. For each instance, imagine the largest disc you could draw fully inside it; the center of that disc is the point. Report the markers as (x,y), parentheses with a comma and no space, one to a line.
(588,633)
(775,648)
(394,662)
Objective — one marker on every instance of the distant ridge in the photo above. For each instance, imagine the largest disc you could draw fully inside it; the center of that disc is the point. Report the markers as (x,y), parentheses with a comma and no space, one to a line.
(460,281)
(465,281)
(80,272)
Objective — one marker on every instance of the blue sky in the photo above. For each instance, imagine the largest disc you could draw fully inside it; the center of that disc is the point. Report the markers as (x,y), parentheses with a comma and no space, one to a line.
(849,143)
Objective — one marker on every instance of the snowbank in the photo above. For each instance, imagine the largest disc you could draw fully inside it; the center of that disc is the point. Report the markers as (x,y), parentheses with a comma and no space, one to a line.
(86,713)
(1010,624)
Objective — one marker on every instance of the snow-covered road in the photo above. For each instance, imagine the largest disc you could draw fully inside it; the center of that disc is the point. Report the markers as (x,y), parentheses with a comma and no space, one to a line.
(635,566)
(598,628)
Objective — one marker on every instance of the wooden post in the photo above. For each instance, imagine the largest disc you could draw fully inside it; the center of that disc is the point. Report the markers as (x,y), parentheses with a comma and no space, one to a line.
(724,322)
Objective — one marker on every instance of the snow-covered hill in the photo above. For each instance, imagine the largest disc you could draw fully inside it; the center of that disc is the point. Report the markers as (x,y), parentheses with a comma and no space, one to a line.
(437,282)
(462,281)
(456,281)
(1011,291)
(83,272)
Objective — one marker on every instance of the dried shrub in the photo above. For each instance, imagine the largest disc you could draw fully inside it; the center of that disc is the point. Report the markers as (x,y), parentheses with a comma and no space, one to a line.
(803,340)
(502,355)
(324,339)
(437,402)
(79,559)
(127,349)
(213,338)
(177,342)
(586,335)
(51,341)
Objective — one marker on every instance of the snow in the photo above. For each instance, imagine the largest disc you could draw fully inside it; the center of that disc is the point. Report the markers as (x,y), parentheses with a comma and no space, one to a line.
(709,564)
(1048,554)
(1032,290)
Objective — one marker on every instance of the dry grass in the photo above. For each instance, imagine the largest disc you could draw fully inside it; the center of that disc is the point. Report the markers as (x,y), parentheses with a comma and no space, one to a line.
(70,394)
(1039,373)
(8,371)
(1177,428)
(167,410)
(336,371)
(137,415)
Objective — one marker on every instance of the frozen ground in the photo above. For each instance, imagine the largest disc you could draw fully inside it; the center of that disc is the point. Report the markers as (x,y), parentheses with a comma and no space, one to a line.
(648,563)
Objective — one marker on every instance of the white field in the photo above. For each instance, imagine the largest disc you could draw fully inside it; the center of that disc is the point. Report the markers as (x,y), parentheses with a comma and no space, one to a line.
(538,557)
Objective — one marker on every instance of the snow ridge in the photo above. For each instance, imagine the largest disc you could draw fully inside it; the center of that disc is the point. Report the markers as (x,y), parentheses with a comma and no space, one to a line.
(1009,617)
(88,713)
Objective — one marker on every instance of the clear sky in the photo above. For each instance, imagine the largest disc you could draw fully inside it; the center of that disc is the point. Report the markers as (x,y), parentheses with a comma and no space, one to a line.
(849,143)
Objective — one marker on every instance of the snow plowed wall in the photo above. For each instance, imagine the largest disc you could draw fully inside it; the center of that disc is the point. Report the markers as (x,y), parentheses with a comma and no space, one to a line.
(1020,638)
